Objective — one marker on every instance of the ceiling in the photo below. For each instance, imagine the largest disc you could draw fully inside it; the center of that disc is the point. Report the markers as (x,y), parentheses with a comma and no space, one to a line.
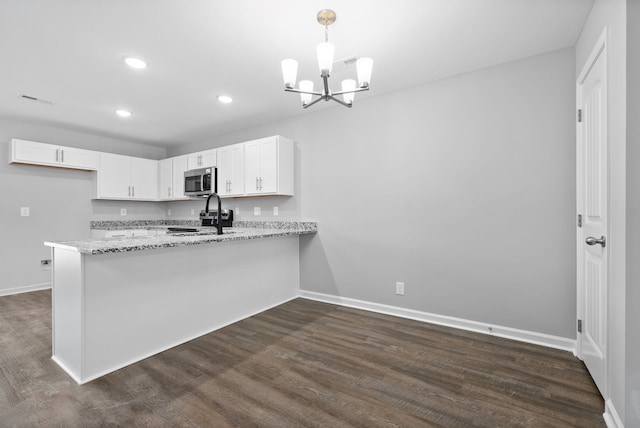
(71,52)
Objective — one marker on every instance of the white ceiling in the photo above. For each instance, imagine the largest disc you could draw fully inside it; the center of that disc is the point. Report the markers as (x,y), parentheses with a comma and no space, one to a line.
(70,52)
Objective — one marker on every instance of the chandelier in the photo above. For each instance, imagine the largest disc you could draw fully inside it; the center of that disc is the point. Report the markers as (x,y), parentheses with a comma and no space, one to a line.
(325,52)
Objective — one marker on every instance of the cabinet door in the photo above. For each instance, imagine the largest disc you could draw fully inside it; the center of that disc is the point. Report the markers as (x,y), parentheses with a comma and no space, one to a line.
(269,165)
(208,158)
(37,153)
(236,180)
(194,161)
(252,167)
(165,179)
(78,158)
(230,166)
(114,176)
(224,170)
(179,167)
(144,179)
(202,159)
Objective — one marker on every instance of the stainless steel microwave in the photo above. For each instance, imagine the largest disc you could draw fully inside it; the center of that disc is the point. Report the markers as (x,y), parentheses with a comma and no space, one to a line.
(200,182)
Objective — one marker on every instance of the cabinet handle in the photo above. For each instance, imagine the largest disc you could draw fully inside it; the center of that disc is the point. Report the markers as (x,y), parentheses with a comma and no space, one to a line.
(57,150)
(260,183)
(257,188)
(62,156)
(133,191)
(169,191)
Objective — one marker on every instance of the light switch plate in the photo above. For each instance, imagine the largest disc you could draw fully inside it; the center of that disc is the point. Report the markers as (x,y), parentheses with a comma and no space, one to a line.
(123,211)
(24,211)
(256,210)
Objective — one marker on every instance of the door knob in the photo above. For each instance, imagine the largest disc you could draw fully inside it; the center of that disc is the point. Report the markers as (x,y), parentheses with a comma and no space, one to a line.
(593,241)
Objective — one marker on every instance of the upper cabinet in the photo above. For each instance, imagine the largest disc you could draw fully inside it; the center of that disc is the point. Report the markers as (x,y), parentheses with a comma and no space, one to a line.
(268,166)
(255,168)
(230,166)
(171,178)
(30,152)
(202,159)
(125,177)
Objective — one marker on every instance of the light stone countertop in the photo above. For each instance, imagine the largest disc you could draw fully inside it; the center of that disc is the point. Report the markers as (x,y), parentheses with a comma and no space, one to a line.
(249,230)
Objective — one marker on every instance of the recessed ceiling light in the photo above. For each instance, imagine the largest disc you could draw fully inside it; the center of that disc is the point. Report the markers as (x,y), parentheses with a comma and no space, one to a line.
(123,113)
(225,99)
(135,62)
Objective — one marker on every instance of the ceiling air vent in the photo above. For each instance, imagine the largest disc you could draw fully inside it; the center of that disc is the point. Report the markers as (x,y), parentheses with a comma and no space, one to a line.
(39,100)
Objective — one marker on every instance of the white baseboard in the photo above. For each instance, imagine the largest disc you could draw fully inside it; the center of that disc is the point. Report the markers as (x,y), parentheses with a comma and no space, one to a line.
(611,417)
(25,289)
(550,341)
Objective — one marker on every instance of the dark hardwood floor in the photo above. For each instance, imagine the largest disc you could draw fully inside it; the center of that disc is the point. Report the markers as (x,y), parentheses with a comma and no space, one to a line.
(302,364)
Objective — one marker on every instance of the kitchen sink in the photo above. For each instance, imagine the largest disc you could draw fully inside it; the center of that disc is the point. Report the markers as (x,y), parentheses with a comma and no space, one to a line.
(194,231)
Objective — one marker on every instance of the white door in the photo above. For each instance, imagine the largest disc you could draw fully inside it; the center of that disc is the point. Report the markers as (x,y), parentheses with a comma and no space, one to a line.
(165,179)
(269,166)
(592,187)
(144,178)
(40,153)
(252,167)
(78,158)
(179,167)
(114,176)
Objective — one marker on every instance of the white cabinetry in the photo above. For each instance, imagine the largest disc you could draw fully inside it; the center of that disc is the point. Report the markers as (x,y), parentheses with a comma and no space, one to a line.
(171,178)
(230,166)
(30,152)
(268,166)
(125,177)
(202,159)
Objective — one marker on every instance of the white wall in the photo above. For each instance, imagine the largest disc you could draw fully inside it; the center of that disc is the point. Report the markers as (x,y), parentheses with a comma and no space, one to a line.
(59,200)
(633,213)
(463,188)
(611,14)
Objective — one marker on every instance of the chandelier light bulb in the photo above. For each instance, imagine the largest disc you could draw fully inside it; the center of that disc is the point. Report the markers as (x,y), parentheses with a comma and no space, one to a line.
(306,86)
(364,66)
(348,85)
(325,57)
(289,72)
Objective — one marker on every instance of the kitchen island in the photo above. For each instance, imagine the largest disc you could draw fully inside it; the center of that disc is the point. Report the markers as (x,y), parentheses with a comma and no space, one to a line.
(118,301)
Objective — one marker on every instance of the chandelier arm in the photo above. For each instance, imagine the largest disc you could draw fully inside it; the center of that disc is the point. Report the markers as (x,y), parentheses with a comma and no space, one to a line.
(331,97)
(298,91)
(312,102)
(349,92)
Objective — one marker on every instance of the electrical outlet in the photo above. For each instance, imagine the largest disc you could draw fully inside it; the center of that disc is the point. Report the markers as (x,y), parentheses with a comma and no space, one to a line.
(236,212)
(275,210)
(400,288)
(168,211)
(24,211)
(256,210)
(193,212)
(45,264)
(123,211)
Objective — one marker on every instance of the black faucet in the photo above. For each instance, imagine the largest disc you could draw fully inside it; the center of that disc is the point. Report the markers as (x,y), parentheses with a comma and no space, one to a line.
(219,216)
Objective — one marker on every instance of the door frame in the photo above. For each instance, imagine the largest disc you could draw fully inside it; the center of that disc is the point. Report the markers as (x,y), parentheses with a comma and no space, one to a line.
(599,50)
